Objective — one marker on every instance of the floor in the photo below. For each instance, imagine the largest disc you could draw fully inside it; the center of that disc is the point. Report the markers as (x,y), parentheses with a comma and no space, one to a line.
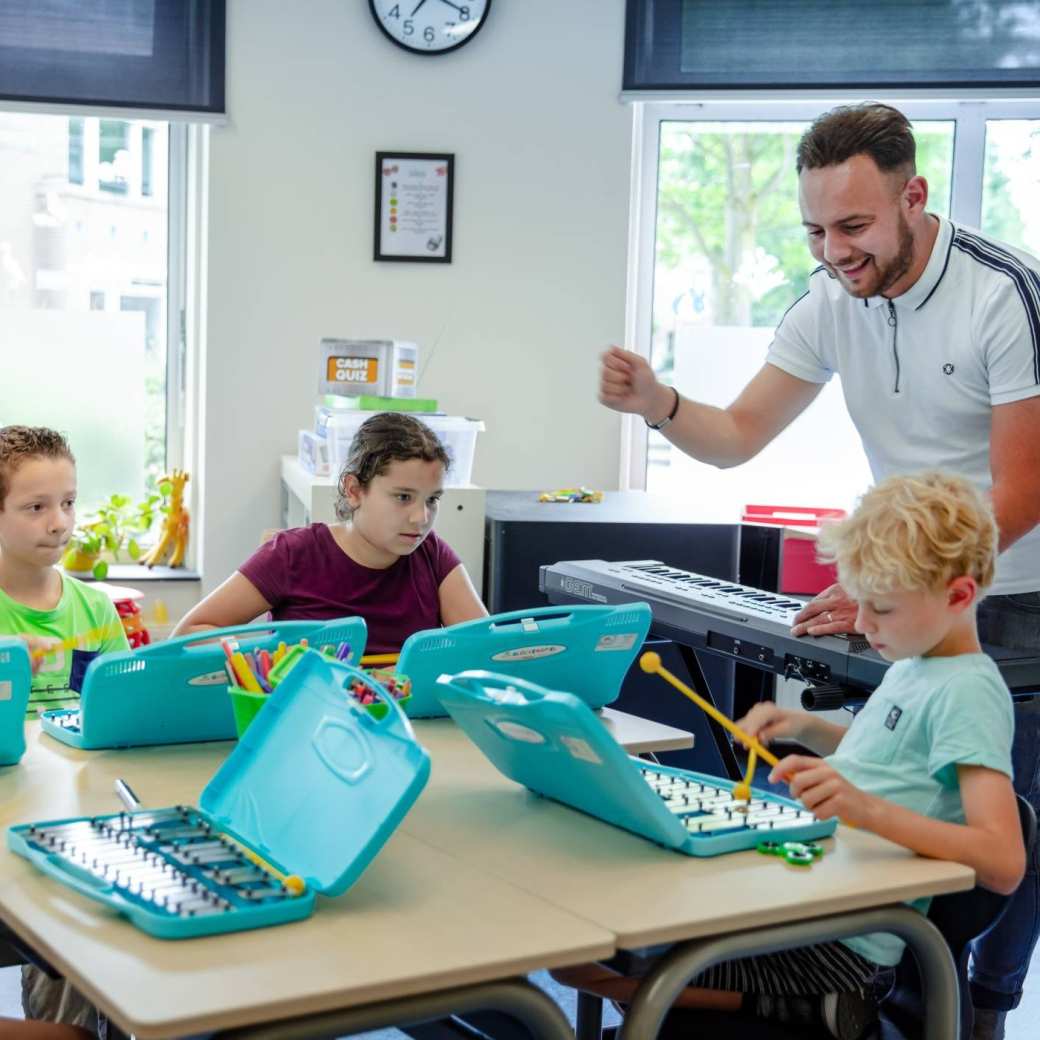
(1021,1023)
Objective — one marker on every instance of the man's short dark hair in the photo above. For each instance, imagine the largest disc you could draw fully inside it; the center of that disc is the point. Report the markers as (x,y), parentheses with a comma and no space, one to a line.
(880,131)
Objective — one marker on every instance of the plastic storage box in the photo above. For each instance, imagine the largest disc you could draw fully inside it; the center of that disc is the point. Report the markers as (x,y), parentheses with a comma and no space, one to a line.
(586,650)
(15,682)
(801,574)
(302,805)
(457,434)
(174,692)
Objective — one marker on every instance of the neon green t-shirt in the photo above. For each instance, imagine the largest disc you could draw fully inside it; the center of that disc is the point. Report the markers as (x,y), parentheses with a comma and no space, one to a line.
(81,611)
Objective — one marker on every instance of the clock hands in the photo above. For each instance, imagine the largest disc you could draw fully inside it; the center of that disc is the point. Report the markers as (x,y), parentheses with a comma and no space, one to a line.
(417,6)
(450,4)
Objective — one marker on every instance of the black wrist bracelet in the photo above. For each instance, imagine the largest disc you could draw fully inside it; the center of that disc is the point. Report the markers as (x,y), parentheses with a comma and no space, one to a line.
(669,417)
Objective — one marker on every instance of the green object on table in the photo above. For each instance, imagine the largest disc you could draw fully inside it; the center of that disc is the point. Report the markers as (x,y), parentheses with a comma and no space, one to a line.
(380,708)
(797,853)
(245,705)
(799,859)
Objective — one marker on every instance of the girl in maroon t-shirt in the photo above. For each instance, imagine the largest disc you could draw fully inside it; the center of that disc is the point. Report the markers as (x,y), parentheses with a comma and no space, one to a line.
(382,561)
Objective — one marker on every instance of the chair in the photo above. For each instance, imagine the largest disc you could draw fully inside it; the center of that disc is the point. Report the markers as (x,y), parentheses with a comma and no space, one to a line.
(959,916)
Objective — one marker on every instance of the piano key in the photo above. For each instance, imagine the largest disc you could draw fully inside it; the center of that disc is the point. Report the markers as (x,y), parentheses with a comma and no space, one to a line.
(707,824)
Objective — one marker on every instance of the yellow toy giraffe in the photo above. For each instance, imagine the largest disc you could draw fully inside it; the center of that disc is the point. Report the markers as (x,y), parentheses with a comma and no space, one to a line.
(174,534)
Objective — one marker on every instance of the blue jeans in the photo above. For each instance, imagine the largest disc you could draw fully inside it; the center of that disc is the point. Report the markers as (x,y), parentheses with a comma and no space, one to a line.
(1000,959)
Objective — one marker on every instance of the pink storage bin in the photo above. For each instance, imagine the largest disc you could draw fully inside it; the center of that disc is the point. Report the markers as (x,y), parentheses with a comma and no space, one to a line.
(801,574)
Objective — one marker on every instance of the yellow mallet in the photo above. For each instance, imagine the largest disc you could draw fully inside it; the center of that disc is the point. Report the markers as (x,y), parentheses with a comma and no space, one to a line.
(293,882)
(651,663)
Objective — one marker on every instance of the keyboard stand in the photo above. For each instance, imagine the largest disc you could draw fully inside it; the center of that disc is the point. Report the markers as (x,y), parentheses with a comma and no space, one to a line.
(719,735)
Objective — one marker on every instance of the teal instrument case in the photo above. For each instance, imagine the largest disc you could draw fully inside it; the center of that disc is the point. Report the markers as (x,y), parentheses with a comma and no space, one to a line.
(553,744)
(585,650)
(175,692)
(15,679)
(315,787)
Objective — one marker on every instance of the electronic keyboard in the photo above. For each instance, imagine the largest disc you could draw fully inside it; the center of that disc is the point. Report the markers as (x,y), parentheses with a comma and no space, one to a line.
(743,623)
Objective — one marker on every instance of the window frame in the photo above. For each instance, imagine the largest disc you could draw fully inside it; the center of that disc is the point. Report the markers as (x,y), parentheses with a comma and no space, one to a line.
(969,116)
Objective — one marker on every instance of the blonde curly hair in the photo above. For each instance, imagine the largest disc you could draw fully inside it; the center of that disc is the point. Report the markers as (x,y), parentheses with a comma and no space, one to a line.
(913,532)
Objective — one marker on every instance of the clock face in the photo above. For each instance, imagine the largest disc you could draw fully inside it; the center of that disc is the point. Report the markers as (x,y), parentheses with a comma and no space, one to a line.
(430,26)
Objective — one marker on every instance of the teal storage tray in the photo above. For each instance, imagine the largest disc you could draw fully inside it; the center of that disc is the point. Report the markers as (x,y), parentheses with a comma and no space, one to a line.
(175,692)
(552,743)
(315,787)
(15,681)
(585,650)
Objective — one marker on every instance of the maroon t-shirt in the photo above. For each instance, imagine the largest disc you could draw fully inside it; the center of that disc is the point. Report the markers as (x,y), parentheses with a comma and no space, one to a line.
(304,574)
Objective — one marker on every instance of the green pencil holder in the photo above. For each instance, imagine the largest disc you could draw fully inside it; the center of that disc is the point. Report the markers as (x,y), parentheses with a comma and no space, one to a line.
(380,708)
(245,705)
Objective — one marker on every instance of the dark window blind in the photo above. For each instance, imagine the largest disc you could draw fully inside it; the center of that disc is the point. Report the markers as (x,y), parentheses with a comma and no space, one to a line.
(806,44)
(152,54)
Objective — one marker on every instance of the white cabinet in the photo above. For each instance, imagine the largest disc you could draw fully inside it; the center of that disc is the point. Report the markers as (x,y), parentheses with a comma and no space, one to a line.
(307,499)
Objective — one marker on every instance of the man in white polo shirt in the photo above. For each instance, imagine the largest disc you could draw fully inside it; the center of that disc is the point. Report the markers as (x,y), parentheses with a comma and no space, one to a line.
(934,330)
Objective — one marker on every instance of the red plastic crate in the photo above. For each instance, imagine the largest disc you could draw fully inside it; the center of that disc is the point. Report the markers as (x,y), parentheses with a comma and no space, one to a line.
(801,574)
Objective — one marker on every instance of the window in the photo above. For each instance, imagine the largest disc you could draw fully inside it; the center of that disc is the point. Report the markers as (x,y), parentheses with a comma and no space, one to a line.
(147,159)
(1010,209)
(75,151)
(722,255)
(114,156)
(85,286)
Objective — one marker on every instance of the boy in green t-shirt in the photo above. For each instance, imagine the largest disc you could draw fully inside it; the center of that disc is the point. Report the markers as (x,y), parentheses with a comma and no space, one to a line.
(38,602)
(47,608)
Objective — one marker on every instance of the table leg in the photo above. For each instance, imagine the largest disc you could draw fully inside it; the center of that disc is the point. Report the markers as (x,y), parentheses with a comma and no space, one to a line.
(589,1018)
(529,1005)
(938,975)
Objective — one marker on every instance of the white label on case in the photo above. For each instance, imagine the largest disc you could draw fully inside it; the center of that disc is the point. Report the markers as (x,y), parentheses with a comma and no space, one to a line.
(210,679)
(529,653)
(5,690)
(621,641)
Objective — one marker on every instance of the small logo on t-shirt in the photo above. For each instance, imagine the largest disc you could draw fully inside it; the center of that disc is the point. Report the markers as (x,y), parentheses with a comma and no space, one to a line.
(893,718)
(948,368)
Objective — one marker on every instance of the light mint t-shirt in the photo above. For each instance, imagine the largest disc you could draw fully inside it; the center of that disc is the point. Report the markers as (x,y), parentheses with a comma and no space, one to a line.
(83,611)
(929,715)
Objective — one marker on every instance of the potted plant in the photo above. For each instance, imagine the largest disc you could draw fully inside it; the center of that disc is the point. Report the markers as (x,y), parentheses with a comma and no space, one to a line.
(106,531)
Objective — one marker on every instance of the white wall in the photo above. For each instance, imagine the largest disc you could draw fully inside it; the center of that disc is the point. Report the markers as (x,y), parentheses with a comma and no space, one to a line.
(530,108)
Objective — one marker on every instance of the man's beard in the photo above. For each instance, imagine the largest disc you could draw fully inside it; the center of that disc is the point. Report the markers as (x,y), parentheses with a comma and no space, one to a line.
(890,273)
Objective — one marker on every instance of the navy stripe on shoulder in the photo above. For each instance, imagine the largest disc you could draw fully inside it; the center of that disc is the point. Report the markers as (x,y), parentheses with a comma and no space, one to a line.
(791,308)
(1025,280)
(816,270)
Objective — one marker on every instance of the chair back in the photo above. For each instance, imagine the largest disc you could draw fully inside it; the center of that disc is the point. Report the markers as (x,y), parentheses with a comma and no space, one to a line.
(961,917)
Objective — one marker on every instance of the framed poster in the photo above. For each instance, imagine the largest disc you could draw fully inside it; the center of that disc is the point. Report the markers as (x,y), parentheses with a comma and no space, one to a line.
(414,206)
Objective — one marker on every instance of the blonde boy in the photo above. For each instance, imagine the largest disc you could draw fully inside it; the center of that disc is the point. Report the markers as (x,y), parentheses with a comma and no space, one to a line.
(40,604)
(926,763)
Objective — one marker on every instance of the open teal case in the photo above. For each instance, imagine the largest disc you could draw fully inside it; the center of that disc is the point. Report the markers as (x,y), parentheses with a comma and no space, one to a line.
(15,680)
(552,743)
(175,692)
(586,650)
(315,787)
